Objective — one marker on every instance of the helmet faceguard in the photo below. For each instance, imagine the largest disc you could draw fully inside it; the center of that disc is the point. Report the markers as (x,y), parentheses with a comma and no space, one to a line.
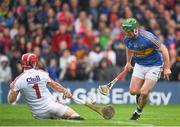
(130,24)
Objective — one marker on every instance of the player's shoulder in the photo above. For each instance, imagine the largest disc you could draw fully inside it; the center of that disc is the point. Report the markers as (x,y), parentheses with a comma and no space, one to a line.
(19,77)
(125,39)
(147,34)
(42,71)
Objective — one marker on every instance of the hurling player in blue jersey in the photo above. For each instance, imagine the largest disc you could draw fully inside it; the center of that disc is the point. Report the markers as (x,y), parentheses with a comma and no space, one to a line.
(151,58)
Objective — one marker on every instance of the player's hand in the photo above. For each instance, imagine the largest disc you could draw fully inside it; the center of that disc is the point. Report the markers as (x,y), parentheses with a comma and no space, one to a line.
(67,94)
(166,73)
(129,66)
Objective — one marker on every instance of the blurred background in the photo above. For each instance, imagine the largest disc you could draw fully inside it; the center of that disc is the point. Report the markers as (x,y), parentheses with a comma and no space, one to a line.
(80,42)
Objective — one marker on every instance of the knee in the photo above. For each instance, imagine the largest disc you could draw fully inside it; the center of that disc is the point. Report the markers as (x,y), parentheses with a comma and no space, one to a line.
(133,91)
(144,93)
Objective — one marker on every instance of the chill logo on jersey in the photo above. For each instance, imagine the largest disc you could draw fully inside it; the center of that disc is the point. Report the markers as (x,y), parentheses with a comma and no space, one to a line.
(33,79)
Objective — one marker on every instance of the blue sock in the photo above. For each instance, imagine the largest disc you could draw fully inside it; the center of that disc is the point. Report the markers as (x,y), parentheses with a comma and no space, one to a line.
(138,110)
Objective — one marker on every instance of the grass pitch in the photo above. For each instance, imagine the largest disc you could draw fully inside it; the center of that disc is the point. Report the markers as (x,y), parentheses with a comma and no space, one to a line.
(19,115)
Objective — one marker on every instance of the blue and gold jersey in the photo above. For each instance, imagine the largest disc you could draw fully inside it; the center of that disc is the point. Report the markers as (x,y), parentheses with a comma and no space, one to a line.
(144,49)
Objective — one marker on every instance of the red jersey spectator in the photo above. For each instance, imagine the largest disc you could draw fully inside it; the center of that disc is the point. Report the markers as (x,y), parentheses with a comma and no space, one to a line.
(21,7)
(66,17)
(61,36)
(89,38)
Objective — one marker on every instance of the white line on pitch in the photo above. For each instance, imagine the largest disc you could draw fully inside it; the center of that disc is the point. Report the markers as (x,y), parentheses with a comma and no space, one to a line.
(130,123)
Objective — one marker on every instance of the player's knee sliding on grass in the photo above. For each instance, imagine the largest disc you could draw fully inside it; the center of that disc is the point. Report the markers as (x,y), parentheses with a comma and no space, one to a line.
(151,58)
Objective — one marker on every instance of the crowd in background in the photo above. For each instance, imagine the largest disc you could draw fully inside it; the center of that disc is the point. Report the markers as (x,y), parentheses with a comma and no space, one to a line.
(81,39)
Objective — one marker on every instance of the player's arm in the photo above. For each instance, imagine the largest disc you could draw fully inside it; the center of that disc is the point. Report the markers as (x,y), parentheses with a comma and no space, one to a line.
(58,87)
(128,55)
(128,59)
(12,94)
(165,55)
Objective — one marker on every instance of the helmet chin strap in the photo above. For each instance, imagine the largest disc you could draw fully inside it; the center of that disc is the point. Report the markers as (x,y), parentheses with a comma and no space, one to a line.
(136,32)
(35,65)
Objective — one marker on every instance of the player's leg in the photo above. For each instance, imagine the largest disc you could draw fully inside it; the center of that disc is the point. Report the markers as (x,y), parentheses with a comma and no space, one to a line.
(136,81)
(151,76)
(62,111)
(135,85)
(145,90)
(143,97)
(134,89)
(71,114)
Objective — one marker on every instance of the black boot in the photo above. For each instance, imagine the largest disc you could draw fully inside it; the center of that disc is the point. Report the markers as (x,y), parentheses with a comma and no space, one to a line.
(76,118)
(135,116)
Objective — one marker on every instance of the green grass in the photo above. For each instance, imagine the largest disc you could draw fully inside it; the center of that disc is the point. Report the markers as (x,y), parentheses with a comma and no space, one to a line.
(19,115)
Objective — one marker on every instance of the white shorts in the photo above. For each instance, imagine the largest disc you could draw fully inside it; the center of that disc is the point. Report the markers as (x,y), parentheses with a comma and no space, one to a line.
(54,110)
(144,72)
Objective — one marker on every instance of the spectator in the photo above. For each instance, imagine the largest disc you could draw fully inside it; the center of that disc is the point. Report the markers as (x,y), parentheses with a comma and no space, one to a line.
(47,54)
(15,63)
(71,73)
(176,14)
(77,71)
(106,71)
(52,24)
(10,19)
(120,50)
(110,54)
(89,38)
(96,54)
(64,62)
(53,69)
(42,14)
(48,25)
(38,53)
(128,12)
(85,68)
(82,23)
(65,17)
(75,8)
(57,5)
(154,27)
(176,66)
(170,43)
(21,7)
(93,12)
(78,47)
(21,35)
(113,14)
(14,29)
(29,47)
(115,29)
(105,7)
(105,37)
(59,37)
(103,18)
(6,74)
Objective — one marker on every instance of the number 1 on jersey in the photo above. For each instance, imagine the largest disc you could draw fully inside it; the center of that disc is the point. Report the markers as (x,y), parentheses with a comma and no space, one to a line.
(36,87)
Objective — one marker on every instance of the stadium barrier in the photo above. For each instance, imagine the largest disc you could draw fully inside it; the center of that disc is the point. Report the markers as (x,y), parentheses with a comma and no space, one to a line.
(164,93)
